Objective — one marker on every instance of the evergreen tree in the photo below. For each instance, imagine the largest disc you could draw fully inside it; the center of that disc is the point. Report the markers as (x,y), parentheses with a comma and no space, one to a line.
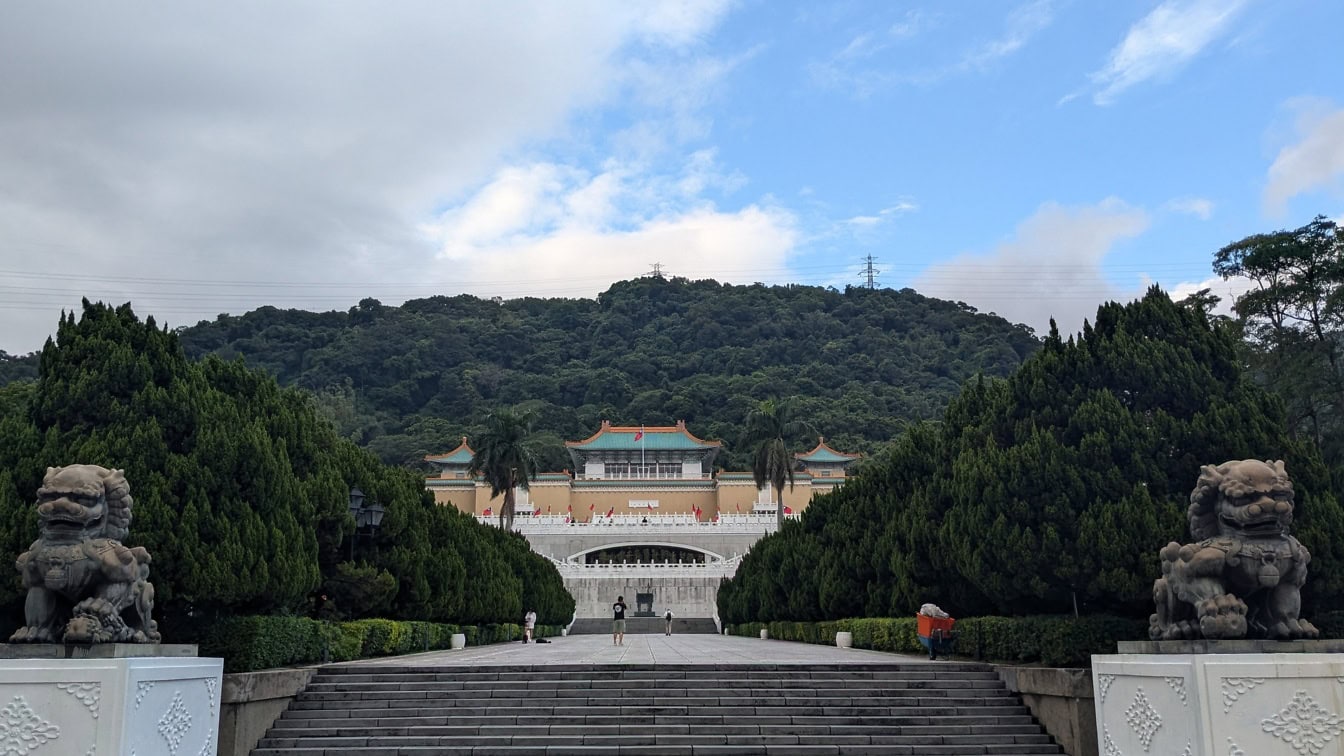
(241,488)
(1053,489)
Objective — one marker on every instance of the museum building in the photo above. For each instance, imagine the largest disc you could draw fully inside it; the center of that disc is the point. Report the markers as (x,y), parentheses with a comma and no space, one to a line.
(641,471)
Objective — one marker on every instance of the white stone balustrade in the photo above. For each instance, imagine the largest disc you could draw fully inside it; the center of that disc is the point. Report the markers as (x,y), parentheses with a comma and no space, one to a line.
(647,525)
(717,569)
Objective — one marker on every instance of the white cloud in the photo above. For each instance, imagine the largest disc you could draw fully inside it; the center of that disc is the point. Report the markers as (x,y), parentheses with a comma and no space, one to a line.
(1227,291)
(518,236)
(1162,41)
(1023,23)
(1052,267)
(860,68)
(887,213)
(293,147)
(1197,206)
(1315,161)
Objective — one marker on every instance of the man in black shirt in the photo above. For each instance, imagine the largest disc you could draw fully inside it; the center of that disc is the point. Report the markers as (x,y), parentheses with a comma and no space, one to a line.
(618,622)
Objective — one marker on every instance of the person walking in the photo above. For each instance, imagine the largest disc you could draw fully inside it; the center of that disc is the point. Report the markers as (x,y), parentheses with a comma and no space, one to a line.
(618,622)
(667,619)
(529,624)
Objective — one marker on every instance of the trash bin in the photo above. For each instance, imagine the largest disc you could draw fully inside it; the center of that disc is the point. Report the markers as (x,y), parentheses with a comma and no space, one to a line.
(844,639)
(459,641)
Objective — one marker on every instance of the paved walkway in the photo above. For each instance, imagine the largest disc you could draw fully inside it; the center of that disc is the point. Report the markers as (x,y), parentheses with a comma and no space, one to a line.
(646,649)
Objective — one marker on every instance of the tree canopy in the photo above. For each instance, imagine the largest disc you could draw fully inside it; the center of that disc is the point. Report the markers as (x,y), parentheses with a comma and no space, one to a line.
(404,381)
(1293,320)
(1051,489)
(241,488)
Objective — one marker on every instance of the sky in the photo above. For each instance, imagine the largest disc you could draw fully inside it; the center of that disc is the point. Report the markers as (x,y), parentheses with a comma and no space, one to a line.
(1032,159)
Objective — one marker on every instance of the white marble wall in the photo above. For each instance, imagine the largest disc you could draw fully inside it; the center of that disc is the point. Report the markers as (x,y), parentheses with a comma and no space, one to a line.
(1220,704)
(127,707)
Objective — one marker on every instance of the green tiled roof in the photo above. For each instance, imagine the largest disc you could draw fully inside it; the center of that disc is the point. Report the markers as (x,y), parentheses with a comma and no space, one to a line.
(460,456)
(674,438)
(824,453)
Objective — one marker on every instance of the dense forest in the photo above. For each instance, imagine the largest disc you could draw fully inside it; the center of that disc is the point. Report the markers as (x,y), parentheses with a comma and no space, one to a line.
(242,491)
(1050,491)
(411,380)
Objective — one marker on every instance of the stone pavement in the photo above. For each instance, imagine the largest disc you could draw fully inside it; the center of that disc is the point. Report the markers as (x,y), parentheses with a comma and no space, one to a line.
(644,650)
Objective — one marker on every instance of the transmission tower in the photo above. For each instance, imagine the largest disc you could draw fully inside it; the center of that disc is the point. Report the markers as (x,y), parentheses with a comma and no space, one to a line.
(657,271)
(869,273)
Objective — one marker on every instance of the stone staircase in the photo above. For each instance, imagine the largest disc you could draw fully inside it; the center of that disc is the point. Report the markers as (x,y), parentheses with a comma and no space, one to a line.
(645,626)
(665,710)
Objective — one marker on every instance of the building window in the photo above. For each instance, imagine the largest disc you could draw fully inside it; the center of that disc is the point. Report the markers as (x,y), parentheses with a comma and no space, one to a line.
(647,470)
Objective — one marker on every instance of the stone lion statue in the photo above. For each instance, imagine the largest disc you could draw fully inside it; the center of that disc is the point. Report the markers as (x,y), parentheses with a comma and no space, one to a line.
(83,585)
(1243,576)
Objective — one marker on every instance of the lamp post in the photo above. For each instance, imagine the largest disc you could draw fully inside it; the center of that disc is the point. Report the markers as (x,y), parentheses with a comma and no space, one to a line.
(368,516)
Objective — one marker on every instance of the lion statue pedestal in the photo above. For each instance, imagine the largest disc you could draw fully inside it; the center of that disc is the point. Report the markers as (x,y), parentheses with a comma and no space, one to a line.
(87,674)
(1232,667)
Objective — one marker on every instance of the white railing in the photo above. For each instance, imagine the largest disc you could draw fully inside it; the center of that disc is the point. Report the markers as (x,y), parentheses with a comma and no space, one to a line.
(644,476)
(528,524)
(719,569)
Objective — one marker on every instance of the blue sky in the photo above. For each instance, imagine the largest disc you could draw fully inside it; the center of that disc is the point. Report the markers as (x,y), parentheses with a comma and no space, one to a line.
(1031,159)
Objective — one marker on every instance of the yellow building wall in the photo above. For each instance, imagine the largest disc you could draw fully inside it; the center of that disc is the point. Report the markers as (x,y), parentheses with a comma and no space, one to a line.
(736,498)
(464,499)
(729,497)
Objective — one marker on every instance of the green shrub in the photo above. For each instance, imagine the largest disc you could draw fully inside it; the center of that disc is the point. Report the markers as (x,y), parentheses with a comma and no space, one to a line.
(1054,641)
(251,643)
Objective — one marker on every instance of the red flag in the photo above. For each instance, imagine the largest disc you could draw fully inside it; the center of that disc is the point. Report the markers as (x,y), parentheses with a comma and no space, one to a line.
(716,517)
(650,505)
(537,512)
(591,506)
(611,511)
(788,510)
(488,511)
(570,509)
(739,508)
(639,434)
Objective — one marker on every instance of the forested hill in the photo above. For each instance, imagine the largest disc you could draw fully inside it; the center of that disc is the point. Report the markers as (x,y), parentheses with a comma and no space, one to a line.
(411,380)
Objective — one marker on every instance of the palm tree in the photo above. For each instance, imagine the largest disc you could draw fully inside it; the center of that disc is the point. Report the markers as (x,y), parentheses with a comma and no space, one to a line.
(769,424)
(506,457)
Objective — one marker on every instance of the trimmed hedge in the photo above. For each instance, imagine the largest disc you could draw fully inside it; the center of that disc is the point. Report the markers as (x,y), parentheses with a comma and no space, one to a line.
(251,643)
(1053,641)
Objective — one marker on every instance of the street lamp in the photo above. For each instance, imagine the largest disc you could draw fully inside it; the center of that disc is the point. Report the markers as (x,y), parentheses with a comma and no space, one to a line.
(367,517)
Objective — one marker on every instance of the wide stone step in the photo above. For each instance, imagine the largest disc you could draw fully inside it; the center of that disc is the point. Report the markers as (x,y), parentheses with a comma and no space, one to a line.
(645,738)
(1000,710)
(821,727)
(710,706)
(926,681)
(645,626)
(411,682)
(669,670)
(667,749)
(902,708)
(669,745)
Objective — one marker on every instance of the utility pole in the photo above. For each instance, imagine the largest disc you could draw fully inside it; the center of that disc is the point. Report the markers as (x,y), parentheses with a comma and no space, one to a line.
(869,273)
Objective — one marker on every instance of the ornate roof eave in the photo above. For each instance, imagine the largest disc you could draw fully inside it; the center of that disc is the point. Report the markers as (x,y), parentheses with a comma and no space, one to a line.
(607,427)
(822,448)
(447,458)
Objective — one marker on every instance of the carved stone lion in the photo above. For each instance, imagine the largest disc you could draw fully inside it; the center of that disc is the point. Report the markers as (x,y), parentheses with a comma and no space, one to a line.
(83,585)
(1243,576)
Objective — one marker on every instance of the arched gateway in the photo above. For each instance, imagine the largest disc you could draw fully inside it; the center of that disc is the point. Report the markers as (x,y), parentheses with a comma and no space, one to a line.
(643,515)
